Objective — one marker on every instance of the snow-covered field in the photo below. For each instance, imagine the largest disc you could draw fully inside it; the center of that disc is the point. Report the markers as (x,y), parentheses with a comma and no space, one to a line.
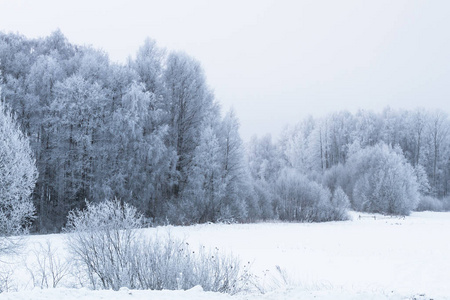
(365,258)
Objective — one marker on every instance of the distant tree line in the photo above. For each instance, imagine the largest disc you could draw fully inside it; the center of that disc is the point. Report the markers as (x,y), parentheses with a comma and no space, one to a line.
(390,162)
(150,133)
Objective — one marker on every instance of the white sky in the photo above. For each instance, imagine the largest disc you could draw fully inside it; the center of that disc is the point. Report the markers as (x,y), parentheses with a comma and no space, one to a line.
(273,61)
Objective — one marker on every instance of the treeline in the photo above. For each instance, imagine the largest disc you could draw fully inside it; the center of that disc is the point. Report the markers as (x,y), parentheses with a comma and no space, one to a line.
(423,138)
(150,133)
(390,162)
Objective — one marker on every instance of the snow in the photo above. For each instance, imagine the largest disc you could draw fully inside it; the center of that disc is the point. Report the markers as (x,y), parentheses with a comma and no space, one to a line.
(285,294)
(364,258)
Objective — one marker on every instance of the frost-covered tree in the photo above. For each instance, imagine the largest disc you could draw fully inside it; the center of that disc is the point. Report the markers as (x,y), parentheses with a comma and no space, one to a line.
(202,198)
(17,179)
(337,177)
(77,120)
(438,131)
(235,173)
(342,126)
(265,160)
(417,126)
(94,67)
(423,185)
(319,148)
(383,181)
(148,65)
(188,102)
(40,84)
(368,128)
(137,161)
(300,199)
(262,206)
(294,144)
(264,164)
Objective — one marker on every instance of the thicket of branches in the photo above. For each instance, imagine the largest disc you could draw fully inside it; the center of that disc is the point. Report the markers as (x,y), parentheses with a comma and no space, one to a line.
(105,240)
(149,132)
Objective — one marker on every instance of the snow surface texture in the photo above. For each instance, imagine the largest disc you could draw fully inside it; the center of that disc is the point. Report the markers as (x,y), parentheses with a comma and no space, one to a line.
(366,258)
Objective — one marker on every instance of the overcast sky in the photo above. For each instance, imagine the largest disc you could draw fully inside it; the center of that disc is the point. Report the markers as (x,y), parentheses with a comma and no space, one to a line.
(274,62)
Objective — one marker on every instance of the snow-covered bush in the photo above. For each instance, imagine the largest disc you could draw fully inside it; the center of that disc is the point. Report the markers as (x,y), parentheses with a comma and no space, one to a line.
(383,181)
(112,252)
(446,203)
(102,239)
(169,263)
(300,199)
(429,203)
(6,273)
(17,179)
(48,268)
(340,205)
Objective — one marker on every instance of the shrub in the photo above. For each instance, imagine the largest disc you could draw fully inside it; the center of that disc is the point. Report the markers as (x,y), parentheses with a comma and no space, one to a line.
(429,203)
(6,274)
(113,253)
(340,205)
(383,181)
(102,238)
(169,263)
(446,203)
(48,269)
(299,199)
